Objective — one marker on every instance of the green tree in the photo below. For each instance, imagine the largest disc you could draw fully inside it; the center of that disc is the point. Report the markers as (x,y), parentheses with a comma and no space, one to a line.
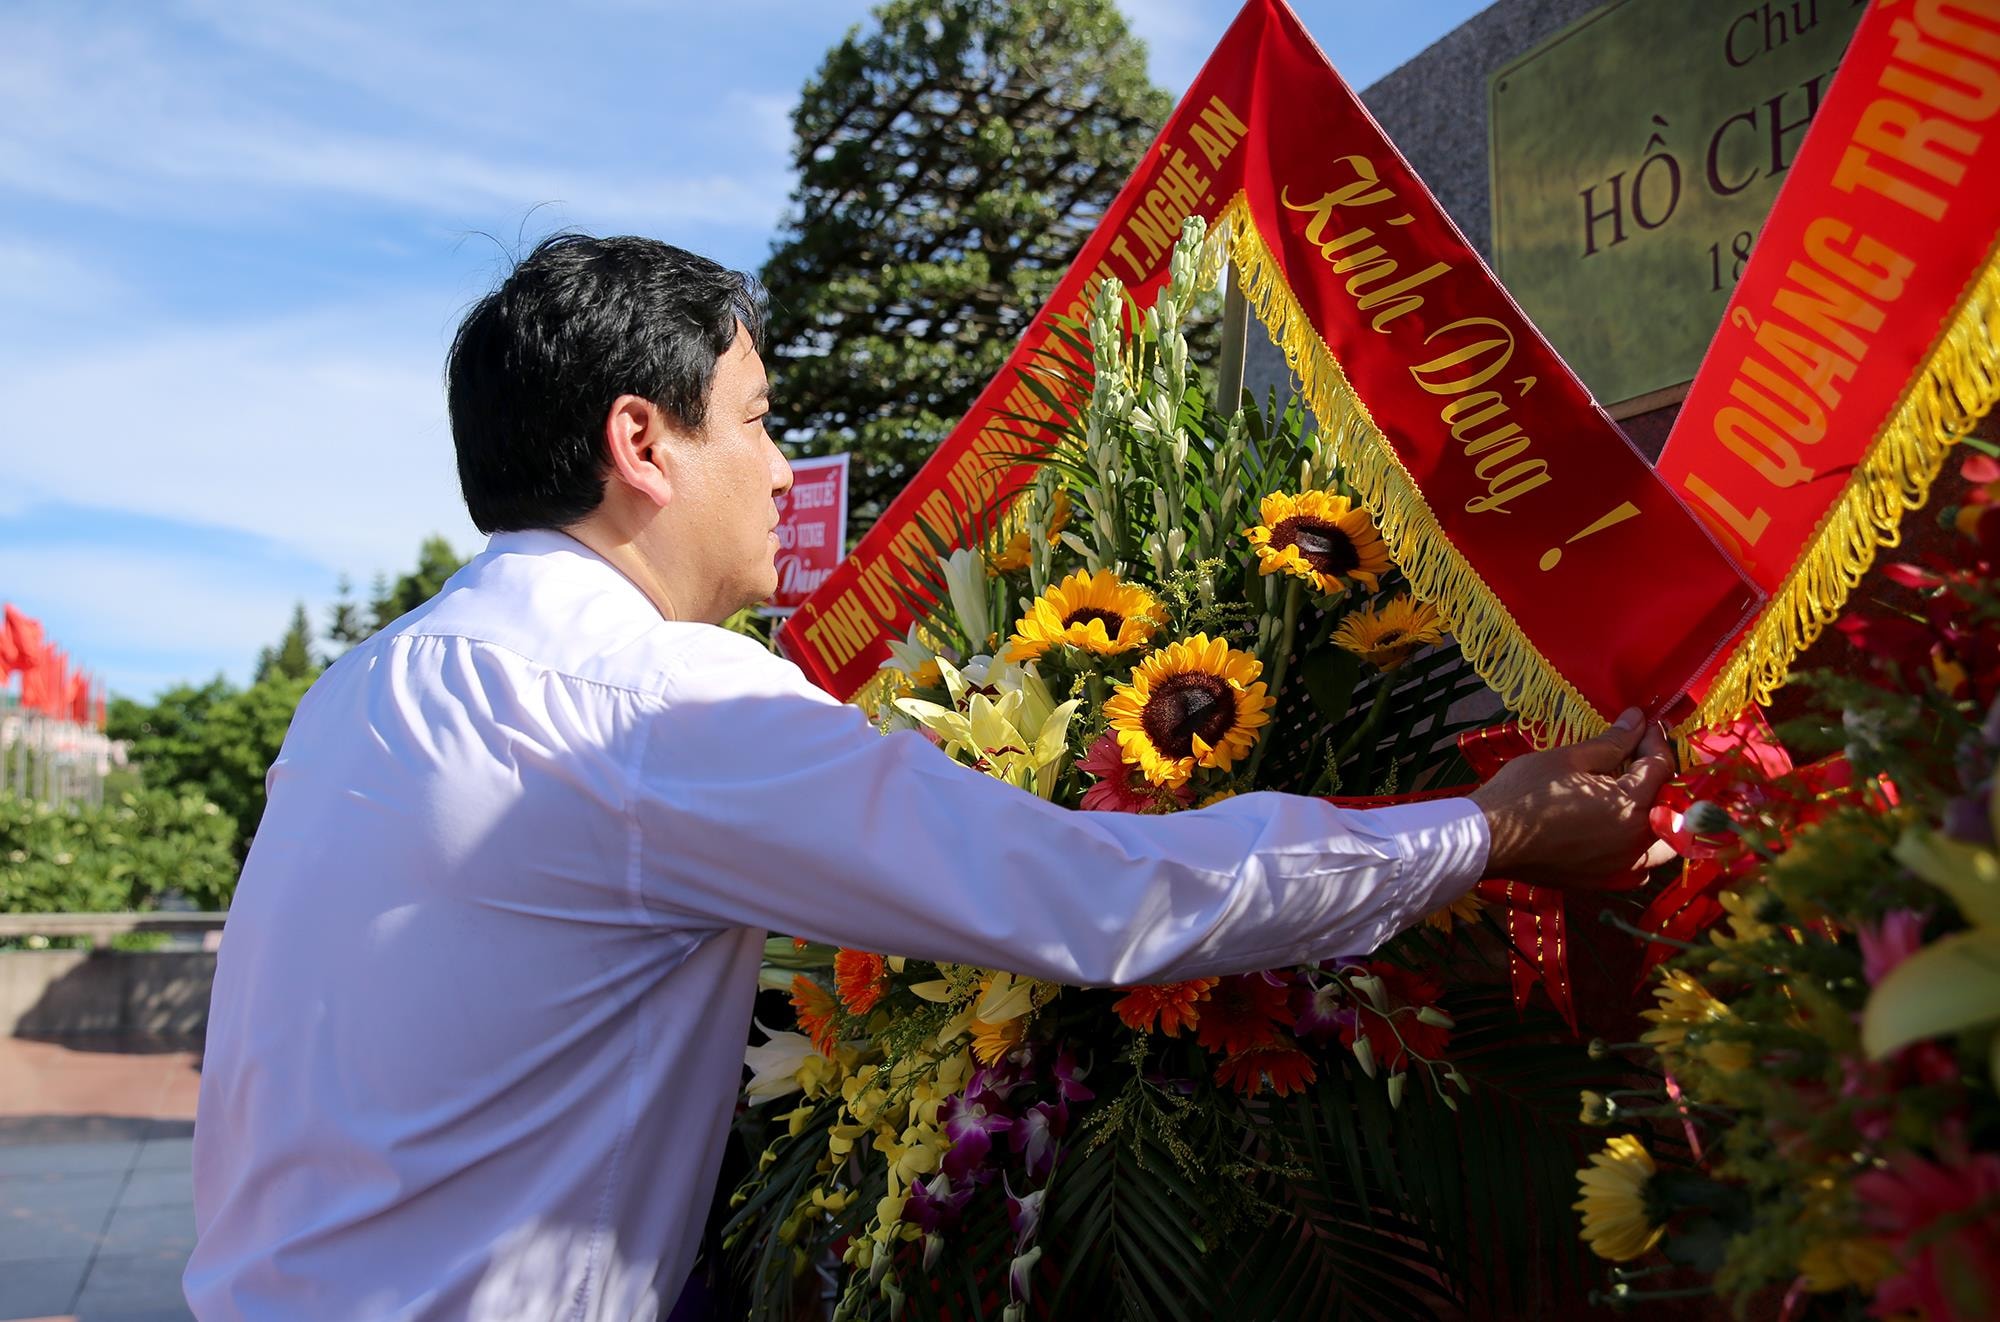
(951,161)
(436,562)
(215,740)
(344,626)
(293,657)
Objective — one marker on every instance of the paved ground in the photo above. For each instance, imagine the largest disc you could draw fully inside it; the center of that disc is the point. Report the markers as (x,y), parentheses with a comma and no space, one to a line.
(96,1207)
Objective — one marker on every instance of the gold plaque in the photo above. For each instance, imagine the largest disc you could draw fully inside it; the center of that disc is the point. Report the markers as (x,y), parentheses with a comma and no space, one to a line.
(1633,157)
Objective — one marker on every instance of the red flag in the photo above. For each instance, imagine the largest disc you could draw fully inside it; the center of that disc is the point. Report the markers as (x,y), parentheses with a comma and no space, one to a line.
(20,642)
(77,704)
(51,682)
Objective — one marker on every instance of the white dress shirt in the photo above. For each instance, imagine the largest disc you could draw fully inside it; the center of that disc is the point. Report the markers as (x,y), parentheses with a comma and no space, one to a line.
(480,1011)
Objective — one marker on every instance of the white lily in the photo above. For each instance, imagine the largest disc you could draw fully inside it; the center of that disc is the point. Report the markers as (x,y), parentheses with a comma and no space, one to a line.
(965,579)
(775,1066)
(908,654)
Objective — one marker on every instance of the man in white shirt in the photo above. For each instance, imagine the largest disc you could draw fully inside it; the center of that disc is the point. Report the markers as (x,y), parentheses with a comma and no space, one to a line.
(478,1023)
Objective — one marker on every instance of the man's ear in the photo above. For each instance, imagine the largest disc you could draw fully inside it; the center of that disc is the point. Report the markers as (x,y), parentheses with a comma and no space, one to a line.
(636,432)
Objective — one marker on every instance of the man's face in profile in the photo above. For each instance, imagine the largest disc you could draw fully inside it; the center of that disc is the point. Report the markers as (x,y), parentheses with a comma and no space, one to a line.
(727,479)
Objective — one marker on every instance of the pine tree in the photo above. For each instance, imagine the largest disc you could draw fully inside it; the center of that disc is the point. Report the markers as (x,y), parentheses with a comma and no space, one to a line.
(436,562)
(951,162)
(344,625)
(293,657)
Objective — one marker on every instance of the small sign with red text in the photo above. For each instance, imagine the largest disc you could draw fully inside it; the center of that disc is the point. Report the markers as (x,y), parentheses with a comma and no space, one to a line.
(812,530)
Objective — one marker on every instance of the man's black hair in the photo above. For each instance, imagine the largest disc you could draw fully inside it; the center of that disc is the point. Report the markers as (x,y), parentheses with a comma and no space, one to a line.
(537,362)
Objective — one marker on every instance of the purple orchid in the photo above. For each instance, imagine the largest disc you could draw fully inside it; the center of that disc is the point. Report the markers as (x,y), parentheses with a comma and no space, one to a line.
(1038,1134)
(1069,1078)
(1021,1273)
(1024,1215)
(999,1080)
(1321,1012)
(935,1205)
(972,1120)
(936,1208)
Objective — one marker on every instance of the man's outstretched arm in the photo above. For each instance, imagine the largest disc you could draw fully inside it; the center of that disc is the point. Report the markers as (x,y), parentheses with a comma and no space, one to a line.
(761,803)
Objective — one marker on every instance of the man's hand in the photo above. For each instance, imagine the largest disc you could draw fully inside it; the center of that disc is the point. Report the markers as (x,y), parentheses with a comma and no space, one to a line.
(1576,816)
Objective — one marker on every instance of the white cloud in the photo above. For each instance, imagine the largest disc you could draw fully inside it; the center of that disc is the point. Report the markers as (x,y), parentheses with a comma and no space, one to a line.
(325,433)
(42,277)
(1179,34)
(193,616)
(107,116)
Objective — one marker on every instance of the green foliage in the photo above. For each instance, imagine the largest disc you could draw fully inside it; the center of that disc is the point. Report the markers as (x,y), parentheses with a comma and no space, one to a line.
(215,740)
(293,657)
(122,855)
(348,622)
(951,161)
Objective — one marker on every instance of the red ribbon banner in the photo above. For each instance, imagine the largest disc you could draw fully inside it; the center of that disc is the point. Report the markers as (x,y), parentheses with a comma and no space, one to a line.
(1510,499)
(1860,341)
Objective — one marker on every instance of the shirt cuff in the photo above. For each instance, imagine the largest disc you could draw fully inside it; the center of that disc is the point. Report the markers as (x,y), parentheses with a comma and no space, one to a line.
(1444,845)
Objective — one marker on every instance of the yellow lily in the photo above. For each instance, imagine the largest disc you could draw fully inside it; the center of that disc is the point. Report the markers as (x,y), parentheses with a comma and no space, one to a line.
(1019,737)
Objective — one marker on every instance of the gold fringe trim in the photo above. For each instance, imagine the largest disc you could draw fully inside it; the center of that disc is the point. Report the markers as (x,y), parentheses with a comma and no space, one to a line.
(1946,398)
(1486,631)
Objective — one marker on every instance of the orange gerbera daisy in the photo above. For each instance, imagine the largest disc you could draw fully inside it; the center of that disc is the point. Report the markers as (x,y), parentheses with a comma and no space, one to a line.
(1242,1013)
(992,1041)
(1287,1069)
(862,979)
(1176,1005)
(816,1013)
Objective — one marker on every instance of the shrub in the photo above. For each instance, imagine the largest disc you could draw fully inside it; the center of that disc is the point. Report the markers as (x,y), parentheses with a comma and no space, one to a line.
(124,854)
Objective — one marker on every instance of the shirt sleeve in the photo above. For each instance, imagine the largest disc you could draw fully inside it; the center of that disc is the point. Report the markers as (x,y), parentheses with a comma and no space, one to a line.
(759,801)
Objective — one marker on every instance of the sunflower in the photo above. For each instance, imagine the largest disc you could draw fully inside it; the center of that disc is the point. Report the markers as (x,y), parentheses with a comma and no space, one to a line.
(1321,538)
(1014,556)
(1176,1005)
(1465,909)
(861,978)
(1387,636)
(1190,704)
(1094,612)
(1616,1222)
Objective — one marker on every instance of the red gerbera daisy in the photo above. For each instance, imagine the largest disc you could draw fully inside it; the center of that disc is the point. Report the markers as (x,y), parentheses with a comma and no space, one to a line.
(1287,1069)
(816,1012)
(1175,1004)
(1407,993)
(862,979)
(1120,787)
(1243,1012)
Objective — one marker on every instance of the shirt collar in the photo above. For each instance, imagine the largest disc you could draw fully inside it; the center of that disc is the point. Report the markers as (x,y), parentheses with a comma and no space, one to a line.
(557,547)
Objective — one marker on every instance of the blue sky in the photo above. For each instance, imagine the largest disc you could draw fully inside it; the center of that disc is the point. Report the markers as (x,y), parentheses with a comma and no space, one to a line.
(236,235)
